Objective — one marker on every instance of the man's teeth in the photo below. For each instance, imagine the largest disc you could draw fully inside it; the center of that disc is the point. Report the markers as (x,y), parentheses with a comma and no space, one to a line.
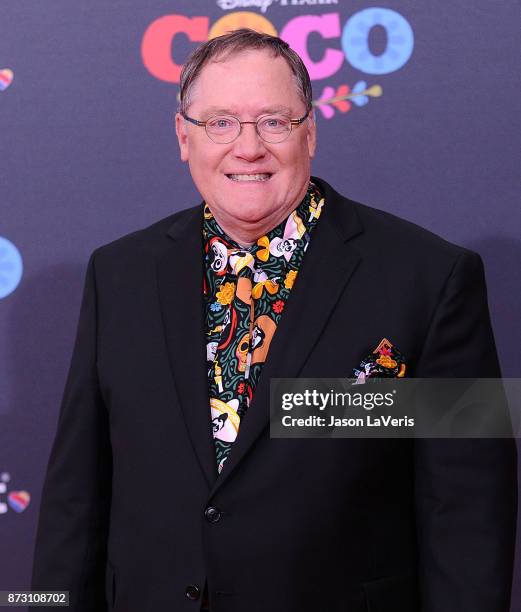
(249,177)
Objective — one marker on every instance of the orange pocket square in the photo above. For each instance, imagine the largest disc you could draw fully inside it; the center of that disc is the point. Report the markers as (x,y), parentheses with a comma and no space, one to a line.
(385,361)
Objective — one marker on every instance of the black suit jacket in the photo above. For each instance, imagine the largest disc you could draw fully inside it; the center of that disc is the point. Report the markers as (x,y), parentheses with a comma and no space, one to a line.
(300,525)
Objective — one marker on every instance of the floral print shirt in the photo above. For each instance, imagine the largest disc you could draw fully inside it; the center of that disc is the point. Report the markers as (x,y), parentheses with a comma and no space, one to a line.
(245,292)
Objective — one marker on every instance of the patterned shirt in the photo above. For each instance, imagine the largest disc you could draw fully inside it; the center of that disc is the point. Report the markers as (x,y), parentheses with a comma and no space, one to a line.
(245,291)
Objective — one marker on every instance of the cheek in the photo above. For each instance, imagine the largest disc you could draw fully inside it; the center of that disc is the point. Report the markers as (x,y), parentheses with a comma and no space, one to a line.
(202,152)
(205,163)
(297,157)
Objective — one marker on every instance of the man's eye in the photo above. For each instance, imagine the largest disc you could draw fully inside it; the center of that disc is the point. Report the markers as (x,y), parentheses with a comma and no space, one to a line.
(220,124)
(274,123)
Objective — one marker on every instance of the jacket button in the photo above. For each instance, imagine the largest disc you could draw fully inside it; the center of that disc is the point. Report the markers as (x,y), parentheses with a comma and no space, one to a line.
(192,592)
(212,514)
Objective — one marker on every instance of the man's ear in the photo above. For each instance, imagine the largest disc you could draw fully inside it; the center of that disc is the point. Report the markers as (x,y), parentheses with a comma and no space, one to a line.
(182,136)
(311,133)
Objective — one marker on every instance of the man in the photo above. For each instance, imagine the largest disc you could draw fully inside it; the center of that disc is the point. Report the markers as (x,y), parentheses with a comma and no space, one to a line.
(164,490)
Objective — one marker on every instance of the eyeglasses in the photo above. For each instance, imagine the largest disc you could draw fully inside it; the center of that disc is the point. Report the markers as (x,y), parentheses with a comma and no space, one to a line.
(223,129)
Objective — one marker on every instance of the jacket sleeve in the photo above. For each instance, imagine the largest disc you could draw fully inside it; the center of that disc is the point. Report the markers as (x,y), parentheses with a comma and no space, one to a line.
(466,489)
(71,543)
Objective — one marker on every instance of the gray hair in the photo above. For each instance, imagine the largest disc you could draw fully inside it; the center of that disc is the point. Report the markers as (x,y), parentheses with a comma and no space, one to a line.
(243,39)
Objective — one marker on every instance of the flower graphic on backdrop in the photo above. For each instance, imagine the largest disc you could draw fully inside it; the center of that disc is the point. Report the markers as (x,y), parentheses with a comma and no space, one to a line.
(343,97)
(16,500)
(6,78)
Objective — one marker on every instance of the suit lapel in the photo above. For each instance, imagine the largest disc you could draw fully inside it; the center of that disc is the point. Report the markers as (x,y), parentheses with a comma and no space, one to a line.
(325,271)
(180,281)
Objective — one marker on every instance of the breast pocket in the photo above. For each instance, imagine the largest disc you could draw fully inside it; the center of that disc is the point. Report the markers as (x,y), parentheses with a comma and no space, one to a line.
(110,585)
(398,592)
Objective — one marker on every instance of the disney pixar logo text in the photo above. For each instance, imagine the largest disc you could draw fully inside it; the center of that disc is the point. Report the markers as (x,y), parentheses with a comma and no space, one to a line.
(263,5)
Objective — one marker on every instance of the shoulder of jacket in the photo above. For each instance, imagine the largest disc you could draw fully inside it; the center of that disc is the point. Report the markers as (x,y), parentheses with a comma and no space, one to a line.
(401,246)
(150,239)
(405,233)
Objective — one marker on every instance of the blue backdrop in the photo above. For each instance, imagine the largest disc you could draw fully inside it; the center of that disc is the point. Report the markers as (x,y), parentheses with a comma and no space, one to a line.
(417,107)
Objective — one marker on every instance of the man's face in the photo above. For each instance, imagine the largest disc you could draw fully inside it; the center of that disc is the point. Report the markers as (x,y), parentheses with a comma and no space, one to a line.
(247,86)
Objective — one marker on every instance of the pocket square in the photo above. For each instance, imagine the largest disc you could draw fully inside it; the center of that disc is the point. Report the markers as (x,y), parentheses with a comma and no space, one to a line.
(385,361)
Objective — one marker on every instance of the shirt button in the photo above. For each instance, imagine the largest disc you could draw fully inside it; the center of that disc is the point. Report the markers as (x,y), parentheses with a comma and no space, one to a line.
(212,514)
(192,592)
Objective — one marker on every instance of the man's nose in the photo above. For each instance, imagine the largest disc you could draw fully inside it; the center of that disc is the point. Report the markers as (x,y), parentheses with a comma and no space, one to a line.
(249,145)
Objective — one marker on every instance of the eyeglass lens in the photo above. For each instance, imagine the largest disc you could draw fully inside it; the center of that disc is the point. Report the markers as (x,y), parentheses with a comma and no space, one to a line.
(271,128)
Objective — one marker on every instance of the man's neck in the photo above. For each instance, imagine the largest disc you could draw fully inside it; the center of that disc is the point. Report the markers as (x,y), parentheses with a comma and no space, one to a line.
(246,234)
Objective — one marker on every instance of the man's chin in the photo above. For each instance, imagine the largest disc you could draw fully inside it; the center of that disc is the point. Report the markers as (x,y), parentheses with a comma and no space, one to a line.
(250,211)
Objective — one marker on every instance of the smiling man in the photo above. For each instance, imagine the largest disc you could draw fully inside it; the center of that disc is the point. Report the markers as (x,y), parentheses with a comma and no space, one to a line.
(252,182)
(182,326)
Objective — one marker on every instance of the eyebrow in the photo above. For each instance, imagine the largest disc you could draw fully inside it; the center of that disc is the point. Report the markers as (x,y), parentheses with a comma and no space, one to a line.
(216,110)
